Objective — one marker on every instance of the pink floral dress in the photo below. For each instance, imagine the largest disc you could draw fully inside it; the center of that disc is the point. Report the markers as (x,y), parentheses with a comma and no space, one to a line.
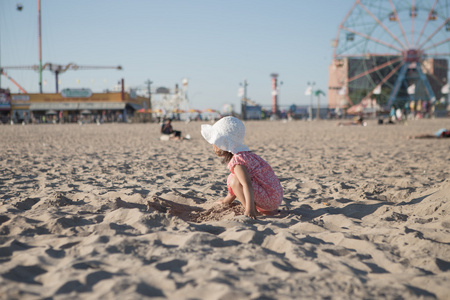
(267,188)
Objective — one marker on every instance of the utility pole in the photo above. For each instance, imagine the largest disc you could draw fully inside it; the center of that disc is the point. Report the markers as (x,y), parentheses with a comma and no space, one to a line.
(149,82)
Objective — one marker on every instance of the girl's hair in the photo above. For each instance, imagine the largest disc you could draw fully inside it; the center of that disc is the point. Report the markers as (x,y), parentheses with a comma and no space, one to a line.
(226,156)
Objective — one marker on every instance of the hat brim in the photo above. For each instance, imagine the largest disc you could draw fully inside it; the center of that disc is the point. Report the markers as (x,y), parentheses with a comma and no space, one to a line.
(207,132)
(210,134)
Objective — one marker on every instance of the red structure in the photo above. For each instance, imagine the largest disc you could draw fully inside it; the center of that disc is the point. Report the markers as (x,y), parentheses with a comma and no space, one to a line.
(274,93)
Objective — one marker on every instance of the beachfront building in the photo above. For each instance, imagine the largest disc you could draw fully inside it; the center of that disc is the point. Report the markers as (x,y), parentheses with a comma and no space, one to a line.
(74,105)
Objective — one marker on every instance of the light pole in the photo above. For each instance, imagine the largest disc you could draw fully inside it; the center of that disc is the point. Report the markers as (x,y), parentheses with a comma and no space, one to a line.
(244,99)
(55,69)
(40,47)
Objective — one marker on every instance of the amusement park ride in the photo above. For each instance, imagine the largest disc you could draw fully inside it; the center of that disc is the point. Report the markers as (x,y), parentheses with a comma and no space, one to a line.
(385,47)
(175,101)
(56,69)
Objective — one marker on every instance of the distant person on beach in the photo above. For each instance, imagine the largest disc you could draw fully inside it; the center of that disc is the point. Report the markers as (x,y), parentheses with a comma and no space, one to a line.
(252,181)
(441,133)
(167,129)
(359,120)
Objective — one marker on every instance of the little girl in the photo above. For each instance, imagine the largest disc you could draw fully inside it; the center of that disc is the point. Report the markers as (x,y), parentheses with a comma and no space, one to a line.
(252,180)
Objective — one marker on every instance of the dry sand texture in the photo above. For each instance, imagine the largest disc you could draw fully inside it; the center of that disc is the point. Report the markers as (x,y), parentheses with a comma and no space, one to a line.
(110,212)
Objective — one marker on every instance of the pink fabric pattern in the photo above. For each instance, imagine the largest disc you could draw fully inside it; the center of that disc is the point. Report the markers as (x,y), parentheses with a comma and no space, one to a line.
(266,185)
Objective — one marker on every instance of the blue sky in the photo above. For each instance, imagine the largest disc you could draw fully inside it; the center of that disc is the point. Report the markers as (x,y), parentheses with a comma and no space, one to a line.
(214,44)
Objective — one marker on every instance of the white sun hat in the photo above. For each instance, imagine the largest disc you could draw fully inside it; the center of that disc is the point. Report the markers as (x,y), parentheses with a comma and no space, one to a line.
(227,134)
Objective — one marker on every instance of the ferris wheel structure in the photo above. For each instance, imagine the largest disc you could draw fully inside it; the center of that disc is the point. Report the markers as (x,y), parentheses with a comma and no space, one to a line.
(396,50)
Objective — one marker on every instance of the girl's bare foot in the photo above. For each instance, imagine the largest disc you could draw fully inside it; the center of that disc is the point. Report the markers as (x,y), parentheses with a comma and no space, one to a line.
(268,212)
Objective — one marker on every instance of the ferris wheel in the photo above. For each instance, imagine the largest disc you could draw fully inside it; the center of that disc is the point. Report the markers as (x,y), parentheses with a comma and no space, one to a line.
(397,50)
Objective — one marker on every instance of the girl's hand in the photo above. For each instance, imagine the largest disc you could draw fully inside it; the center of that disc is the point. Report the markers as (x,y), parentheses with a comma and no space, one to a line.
(226,201)
(220,201)
(251,214)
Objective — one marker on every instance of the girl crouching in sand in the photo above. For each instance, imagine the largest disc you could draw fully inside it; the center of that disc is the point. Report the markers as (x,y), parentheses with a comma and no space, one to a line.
(252,180)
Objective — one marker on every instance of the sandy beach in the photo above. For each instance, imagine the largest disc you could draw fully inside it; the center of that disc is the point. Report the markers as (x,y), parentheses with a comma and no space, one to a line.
(112,212)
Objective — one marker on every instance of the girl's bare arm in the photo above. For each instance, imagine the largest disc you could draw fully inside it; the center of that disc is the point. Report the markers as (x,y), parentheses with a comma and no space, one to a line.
(245,180)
